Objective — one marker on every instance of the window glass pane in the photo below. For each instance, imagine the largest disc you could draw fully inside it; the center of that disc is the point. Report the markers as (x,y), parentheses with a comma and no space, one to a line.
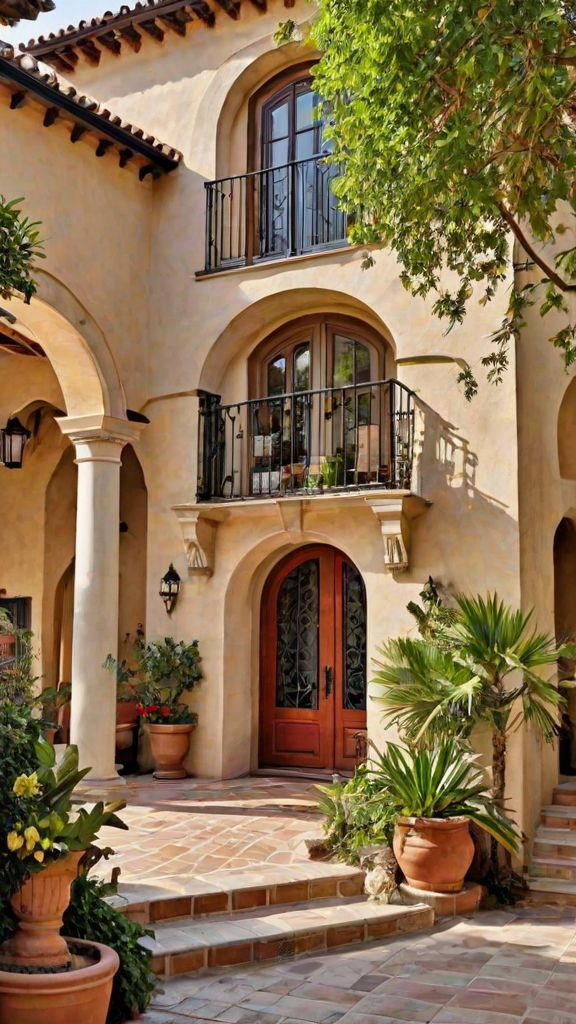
(298,616)
(362,364)
(354,633)
(277,376)
(343,361)
(278,153)
(302,369)
(278,125)
(306,145)
(306,101)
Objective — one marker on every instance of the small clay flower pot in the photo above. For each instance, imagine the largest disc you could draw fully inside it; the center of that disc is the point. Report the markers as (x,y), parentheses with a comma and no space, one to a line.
(170,745)
(78,996)
(39,905)
(434,853)
(126,713)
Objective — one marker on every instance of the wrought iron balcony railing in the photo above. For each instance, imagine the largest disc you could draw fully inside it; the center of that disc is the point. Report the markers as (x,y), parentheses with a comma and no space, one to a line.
(273,213)
(354,438)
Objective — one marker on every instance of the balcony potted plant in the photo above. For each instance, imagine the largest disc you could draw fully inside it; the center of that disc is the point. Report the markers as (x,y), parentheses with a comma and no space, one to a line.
(168,669)
(70,981)
(435,794)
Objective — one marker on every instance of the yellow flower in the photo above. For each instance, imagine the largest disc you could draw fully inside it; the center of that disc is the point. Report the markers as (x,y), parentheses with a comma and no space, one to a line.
(32,836)
(14,841)
(39,856)
(46,844)
(26,785)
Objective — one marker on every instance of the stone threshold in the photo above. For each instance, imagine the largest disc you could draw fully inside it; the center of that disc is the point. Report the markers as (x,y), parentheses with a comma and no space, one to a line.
(181,947)
(226,892)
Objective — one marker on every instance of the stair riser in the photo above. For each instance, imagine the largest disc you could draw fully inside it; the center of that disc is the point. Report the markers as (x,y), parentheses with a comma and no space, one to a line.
(549,851)
(564,799)
(286,948)
(547,871)
(554,821)
(562,898)
(213,904)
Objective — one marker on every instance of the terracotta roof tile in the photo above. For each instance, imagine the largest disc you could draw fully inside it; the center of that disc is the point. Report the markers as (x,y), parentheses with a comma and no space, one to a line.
(11,11)
(26,71)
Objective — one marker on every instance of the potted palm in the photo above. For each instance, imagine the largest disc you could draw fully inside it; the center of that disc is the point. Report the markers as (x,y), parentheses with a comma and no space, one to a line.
(47,838)
(168,669)
(434,794)
(478,662)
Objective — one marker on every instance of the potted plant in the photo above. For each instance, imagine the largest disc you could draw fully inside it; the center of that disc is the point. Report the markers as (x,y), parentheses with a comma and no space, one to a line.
(168,669)
(38,967)
(127,689)
(54,702)
(435,794)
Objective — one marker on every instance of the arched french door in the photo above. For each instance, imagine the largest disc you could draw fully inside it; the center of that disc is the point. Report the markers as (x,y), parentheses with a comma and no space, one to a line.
(313,661)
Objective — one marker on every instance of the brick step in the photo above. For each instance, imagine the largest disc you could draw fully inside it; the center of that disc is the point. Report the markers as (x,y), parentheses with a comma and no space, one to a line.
(183,945)
(562,816)
(554,867)
(555,842)
(227,892)
(565,795)
(552,890)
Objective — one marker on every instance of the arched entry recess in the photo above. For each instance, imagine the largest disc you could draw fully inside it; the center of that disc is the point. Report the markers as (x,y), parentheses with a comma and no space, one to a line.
(312,661)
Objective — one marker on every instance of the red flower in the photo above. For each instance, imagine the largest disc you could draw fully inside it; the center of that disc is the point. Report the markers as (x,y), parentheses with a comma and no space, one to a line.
(166,712)
(139,709)
(153,707)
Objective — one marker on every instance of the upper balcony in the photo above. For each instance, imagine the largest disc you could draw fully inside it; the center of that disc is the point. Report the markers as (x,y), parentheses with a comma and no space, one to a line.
(271,214)
(357,438)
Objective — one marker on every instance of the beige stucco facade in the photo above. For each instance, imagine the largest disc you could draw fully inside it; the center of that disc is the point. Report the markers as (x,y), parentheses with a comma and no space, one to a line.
(125,324)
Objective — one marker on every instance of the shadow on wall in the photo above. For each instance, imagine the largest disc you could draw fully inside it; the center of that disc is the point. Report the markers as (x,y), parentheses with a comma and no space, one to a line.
(468,538)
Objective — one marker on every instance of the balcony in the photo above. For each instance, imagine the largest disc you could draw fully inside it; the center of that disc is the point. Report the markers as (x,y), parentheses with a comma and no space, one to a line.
(277,213)
(340,439)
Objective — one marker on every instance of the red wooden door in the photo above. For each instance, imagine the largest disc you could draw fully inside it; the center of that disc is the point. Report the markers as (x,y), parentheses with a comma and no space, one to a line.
(313,661)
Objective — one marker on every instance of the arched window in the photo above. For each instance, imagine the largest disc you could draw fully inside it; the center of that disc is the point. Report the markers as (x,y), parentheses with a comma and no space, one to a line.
(295,207)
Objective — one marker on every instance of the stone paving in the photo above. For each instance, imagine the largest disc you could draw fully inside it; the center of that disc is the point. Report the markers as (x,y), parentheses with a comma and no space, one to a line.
(502,967)
(193,827)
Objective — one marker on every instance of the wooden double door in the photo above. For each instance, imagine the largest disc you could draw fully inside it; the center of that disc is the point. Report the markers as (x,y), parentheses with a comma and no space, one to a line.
(313,661)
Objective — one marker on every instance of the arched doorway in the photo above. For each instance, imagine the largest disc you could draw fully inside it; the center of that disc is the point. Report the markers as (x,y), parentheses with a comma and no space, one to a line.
(565,629)
(313,661)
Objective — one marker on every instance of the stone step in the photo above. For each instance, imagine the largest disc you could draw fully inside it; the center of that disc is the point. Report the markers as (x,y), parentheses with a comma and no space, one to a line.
(565,795)
(563,816)
(552,890)
(183,945)
(555,842)
(554,867)
(228,892)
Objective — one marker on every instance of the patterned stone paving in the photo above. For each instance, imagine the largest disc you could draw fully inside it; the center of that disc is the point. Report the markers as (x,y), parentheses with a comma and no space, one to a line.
(501,967)
(191,827)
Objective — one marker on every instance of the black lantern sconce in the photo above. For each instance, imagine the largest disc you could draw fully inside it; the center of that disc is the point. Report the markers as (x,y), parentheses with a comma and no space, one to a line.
(170,588)
(13,440)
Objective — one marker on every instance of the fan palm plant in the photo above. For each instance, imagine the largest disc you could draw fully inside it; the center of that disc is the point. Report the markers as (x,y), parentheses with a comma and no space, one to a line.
(484,667)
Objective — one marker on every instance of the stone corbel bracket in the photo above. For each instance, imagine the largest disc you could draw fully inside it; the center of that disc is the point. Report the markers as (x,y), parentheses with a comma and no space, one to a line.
(395,517)
(199,536)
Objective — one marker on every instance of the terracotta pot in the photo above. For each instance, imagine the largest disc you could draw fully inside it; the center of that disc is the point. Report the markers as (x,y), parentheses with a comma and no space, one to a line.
(79,995)
(126,713)
(170,746)
(39,905)
(434,853)
(124,736)
(50,735)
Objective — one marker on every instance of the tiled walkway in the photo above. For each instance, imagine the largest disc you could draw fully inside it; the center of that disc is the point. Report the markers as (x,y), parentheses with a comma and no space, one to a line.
(191,827)
(505,967)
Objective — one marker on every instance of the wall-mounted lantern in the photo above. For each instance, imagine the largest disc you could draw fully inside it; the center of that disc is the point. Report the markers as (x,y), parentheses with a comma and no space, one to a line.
(170,588)
(13,440)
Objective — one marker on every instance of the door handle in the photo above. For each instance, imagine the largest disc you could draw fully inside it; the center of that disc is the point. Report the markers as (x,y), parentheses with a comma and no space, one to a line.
(328,679)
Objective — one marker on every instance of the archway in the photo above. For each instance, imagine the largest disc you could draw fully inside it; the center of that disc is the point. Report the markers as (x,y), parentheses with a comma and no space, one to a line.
(313,661)
(565,628)
(567,434)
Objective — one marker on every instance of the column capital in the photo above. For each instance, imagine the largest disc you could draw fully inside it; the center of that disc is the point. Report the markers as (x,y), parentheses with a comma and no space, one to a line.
(99,437)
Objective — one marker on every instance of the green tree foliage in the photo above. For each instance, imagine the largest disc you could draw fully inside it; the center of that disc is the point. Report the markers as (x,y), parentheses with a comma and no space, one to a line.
(454,124)
(20,247)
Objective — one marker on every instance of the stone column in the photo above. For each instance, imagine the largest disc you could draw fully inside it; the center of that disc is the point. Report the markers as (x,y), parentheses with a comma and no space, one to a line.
(99,442)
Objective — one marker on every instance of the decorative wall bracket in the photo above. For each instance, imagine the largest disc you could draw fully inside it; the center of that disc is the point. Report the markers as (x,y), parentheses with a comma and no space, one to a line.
(395,517)
(199,536)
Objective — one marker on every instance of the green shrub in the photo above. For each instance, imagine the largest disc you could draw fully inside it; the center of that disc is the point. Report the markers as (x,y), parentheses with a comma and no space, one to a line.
(356,816)
(90,917)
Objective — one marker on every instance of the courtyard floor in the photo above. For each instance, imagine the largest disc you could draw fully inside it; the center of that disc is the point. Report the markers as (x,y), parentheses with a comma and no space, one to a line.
(193,827)
(501,967)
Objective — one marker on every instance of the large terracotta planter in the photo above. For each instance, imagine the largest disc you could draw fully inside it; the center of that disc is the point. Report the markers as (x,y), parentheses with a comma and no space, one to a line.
(78,996)
(126,722)
(434,853)
(170,745)
(39,905)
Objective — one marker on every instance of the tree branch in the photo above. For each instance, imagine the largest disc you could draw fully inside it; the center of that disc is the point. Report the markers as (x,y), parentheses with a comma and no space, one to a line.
(534,255)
